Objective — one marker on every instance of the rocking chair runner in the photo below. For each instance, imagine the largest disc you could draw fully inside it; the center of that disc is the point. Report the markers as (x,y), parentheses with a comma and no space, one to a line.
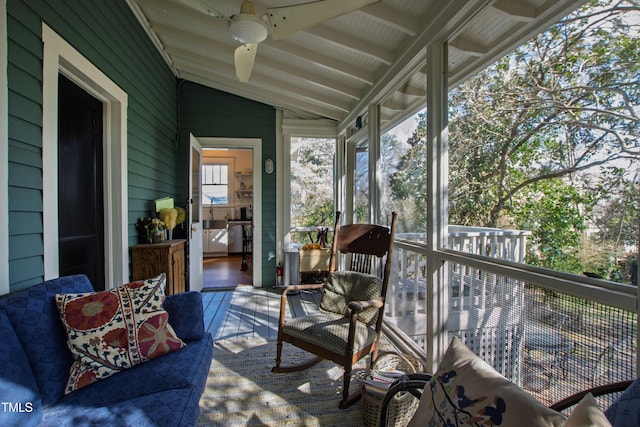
(350,319)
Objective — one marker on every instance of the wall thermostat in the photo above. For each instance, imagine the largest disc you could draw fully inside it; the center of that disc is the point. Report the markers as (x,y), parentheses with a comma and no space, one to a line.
(268,166)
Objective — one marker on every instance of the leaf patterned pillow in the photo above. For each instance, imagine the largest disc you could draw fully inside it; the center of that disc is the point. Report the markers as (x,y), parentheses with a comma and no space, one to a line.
(113,330)
(467,391)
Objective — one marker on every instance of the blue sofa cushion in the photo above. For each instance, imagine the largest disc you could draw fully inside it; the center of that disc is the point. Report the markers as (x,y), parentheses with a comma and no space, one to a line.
(186,315)
(173,371)
(167,389)
(162,409)
(18,389)
(36,322)
(625,411)
(162,392)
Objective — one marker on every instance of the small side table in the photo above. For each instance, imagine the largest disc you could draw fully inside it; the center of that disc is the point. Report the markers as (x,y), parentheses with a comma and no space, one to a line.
(151,259)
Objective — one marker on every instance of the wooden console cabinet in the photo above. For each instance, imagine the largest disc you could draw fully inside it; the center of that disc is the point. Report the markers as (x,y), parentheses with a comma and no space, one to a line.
(150,259)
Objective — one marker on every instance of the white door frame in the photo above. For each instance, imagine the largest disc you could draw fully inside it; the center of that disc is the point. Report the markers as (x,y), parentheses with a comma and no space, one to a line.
(256,145)
(195,227)
(59,57)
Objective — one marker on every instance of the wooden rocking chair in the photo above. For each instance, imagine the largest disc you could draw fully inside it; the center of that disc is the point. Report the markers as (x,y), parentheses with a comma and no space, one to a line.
(352,305)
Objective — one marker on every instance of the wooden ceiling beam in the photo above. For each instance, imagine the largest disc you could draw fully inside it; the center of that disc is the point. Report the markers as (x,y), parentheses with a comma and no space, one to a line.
(262,95)
(392,18)
(516,9)
(279,89)
(469,47)
(356,45)
(224,52)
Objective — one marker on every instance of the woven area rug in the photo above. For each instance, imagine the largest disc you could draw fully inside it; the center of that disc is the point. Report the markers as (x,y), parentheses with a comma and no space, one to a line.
(242,390)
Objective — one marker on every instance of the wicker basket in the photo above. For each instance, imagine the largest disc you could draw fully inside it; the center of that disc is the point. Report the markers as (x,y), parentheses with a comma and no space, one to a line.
(403,405)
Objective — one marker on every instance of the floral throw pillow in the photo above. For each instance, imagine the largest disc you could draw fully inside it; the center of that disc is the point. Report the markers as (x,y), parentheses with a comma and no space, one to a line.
(113,330)
(467,391)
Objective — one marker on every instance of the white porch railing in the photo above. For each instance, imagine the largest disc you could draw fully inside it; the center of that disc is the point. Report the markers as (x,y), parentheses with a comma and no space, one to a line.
(469,288)
(514,325)
(485,310)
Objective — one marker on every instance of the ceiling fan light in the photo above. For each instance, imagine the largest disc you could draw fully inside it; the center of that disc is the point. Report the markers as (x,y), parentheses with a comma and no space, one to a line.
(247,28)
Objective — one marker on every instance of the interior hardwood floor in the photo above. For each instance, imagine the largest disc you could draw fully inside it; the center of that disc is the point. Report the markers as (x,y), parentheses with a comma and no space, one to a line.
(224,272)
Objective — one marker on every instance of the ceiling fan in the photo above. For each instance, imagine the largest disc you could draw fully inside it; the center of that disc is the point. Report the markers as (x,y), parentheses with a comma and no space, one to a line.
(249,29)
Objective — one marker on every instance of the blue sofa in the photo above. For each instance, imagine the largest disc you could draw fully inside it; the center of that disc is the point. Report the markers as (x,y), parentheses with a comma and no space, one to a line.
(35,362)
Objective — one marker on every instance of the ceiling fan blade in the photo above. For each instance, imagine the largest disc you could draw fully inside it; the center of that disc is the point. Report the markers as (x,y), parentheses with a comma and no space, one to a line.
(289,19)
(244,57)
(205,7)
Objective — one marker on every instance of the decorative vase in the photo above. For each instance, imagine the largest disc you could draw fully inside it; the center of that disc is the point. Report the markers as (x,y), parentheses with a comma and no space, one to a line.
(169,234)
(159,236)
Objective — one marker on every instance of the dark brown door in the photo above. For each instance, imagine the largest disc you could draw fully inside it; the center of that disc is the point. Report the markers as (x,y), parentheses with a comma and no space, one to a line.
(80,190)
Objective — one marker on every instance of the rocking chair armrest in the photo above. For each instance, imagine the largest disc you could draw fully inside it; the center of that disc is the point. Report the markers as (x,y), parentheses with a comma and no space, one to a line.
(601,390)
(358,306)
(283,297)
(302,287)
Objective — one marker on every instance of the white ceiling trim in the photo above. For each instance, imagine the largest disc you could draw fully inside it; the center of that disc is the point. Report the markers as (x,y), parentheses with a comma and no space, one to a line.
(357,46)
(446,17)
(516,9)
(220,51)
(391,18)
(336,70)
(467,46)
(278,89)
(343,67)
(265,96)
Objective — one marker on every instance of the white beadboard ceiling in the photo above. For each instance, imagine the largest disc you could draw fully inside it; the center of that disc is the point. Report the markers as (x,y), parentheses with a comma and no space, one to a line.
(336,69)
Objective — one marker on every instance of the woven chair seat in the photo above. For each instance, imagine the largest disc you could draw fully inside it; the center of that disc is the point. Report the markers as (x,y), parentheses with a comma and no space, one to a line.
(327,334)
(329,331)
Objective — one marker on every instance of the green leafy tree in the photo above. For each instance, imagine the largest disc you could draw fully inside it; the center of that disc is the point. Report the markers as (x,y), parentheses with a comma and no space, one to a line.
(361,184)
(408,180)
(312,182)
(617,220)
(531,136)
(553,211)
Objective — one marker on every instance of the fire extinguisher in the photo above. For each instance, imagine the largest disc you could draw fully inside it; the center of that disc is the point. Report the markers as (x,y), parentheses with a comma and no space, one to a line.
(279,275)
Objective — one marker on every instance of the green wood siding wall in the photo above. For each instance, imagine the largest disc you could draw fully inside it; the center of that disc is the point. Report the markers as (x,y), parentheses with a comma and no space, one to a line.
(206,112)
(108,35)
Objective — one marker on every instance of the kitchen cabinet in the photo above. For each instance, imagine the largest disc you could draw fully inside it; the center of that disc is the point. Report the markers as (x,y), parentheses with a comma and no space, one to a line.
(235,239)
(235,236)
(244,188)
(151,259)
(216,241)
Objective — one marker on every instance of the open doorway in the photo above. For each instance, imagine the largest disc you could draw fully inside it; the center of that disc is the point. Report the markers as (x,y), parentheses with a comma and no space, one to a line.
(227,217)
